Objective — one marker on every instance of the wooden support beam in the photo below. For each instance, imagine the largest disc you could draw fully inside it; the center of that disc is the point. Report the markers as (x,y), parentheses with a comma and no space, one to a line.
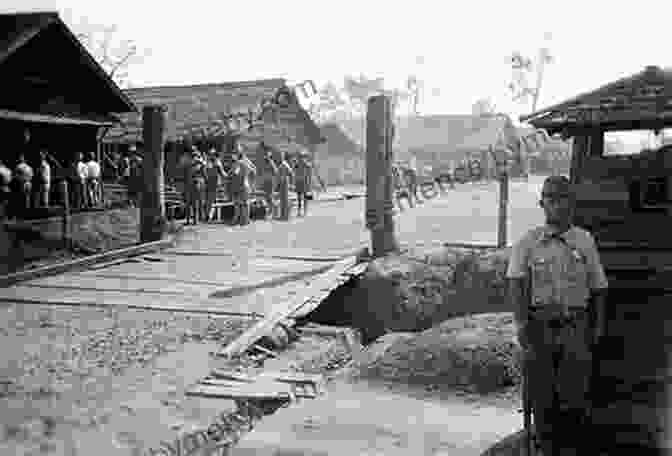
(152,209)
(11,279)
(379,178)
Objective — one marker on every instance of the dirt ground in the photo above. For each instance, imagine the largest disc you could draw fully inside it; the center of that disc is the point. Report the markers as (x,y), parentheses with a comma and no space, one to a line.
(79,380)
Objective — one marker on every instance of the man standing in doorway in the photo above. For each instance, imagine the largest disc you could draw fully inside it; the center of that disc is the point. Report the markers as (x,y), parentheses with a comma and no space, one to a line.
(558,287)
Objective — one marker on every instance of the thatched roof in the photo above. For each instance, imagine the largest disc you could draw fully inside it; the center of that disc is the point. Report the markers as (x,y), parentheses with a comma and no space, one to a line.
(642,100)
(338,143)
(198,109)
(74,90)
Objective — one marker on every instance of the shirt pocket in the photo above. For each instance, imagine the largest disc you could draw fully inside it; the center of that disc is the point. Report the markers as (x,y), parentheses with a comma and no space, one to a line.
(541,270)
(577,268)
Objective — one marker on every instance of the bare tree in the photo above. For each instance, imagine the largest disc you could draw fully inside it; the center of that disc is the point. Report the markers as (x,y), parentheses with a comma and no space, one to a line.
(483,107)
(114,54)
(523,68)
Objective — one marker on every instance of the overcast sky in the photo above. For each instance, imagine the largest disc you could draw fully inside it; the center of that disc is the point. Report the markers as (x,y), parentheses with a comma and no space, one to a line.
(465,46)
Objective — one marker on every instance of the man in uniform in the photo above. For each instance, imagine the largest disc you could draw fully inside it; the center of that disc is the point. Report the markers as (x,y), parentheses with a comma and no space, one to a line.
(215,176)
(285,177)
(558,288)
(194,186)
(269,175)
(242,172)
(302,173)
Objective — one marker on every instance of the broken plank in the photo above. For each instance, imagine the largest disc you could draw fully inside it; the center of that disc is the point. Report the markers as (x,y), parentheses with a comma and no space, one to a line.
(262,391)
(265,350)
(299,390)
(297,377)
(285,309)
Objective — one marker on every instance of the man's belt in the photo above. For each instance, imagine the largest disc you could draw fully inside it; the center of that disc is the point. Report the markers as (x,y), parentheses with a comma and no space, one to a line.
(557,314)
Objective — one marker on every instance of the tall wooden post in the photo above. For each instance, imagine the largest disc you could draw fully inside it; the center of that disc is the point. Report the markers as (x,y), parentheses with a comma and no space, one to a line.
(502,165)
(379,181)
(63,190)
(152,208)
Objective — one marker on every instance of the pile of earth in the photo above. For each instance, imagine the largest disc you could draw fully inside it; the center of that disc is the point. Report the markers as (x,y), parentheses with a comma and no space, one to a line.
(416,290)
(476,353)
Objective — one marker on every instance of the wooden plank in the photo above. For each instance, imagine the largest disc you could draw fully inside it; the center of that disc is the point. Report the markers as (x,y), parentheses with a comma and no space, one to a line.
(254,391)
(292,377)
(286,309)
(237,388)
(172,303)
(10,279)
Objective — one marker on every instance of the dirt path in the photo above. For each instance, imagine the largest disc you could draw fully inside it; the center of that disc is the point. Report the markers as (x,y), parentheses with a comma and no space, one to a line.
(369,419)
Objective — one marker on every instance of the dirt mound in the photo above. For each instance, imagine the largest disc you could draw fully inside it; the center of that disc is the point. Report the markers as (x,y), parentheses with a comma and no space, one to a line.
(417,290)
(477,353)
(512,445)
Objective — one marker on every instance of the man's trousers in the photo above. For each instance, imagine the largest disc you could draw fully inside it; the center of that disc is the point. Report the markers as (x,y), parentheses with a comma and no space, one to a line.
(559,368)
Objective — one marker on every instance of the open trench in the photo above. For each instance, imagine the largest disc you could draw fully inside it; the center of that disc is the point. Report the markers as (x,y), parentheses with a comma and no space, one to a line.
(318,337)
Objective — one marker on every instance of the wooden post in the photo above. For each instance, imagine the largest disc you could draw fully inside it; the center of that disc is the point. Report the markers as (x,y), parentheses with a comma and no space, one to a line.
(503,179)
(152,208)
(379,180)
(63,187)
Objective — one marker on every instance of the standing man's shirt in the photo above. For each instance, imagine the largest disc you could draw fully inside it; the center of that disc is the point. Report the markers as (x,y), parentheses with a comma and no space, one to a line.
(44,173)
(24,172)
(82,170)
(5,178)
(93,169)
(557,265)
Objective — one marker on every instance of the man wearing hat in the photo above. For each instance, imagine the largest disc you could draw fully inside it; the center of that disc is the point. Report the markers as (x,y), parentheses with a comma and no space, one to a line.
(558,289)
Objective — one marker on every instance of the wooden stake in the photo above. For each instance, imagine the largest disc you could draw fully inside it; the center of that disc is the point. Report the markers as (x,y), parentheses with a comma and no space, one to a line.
(152,208)
(379,179)
(503,208)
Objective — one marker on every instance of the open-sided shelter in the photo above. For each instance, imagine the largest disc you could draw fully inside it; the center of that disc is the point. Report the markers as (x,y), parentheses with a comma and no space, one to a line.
(55,95)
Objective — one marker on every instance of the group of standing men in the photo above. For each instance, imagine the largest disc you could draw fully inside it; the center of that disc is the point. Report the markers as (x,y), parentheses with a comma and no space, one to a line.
(25,186)
(203,175)
(278,176)
(87,189)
